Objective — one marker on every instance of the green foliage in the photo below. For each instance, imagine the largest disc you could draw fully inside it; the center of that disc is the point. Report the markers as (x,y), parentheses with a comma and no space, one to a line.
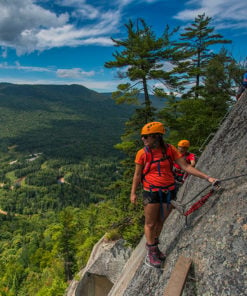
(126,94)
(51,228)
(62,184)
(221,77)
(197,119)
(62,122)
(141,60)
(57,163)
(112,235)
(195,53)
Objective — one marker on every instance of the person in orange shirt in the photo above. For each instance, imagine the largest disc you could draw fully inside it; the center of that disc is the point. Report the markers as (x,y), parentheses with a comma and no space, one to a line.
(181,175)
(153,168)
(242,87)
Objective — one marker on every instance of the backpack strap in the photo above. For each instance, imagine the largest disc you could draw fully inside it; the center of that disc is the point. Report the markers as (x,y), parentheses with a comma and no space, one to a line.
(168,157)
(149,160)
(146,169)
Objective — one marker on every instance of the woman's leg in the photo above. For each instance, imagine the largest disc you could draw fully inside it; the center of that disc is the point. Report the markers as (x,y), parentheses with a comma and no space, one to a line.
(160,220)
(159,226)
(152,213)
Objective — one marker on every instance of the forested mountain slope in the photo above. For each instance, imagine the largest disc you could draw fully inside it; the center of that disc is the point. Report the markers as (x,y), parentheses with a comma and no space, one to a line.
(66,120)
(57,161)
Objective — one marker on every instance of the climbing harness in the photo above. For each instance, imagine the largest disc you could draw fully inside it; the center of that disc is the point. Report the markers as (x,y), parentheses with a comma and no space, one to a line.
(149,160)
(215,187)
(162,189)
(179,174)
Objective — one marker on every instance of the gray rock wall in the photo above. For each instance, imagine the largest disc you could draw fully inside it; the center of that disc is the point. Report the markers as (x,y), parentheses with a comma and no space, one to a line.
(216,238)
(102,270)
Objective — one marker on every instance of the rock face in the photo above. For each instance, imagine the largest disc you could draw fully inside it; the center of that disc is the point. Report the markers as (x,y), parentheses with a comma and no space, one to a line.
(216,236)
(102,271)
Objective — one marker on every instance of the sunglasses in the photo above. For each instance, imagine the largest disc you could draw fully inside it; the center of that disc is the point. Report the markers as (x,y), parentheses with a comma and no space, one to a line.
(146,136)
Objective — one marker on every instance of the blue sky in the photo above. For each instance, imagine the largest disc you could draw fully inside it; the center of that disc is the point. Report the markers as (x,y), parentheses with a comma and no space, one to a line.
(68,41)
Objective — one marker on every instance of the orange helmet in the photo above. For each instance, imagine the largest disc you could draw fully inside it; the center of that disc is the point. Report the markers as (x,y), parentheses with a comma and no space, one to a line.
(153,128)
(184,143)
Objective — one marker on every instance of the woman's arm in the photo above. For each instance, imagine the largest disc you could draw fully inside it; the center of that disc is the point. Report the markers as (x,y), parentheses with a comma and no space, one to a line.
(193,171)
(136,181)
(193,162)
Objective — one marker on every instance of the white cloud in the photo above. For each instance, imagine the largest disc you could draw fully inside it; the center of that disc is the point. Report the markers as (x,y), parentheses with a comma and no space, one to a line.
(4,53)
(98,40)
(26,26)
(68,36)
(18,66)
(70,3)
(21,20)
(30,25)
(226,13)
(87,11)
(74,73)
(101,86)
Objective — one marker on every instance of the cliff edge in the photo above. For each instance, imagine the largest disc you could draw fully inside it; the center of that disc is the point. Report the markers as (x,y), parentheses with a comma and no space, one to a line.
(216,236)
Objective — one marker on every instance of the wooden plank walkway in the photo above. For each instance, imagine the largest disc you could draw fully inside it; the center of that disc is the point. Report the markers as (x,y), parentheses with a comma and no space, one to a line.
(129,269)
(178,277)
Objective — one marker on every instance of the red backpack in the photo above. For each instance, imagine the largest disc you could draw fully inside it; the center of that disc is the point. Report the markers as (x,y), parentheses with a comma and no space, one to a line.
(149,160)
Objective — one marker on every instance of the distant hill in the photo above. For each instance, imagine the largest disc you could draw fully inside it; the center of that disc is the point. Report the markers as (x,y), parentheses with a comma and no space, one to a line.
(57,166)
(66,120)
(157,102)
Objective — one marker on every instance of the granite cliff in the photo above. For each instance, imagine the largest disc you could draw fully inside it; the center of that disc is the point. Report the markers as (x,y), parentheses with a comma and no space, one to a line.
(216,235)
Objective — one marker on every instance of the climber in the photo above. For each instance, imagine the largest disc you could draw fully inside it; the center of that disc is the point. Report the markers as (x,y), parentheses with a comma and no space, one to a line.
(242,87)
(181,175)
(153,168)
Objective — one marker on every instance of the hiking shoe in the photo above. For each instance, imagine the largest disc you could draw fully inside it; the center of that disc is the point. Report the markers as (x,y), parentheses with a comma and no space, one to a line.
(160,255)
(153,256)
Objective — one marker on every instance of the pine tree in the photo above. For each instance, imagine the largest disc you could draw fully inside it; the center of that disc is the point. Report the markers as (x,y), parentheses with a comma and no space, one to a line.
(141,60)
(220,77)
(195,52)
(66,241)
(142,63)
(197,119)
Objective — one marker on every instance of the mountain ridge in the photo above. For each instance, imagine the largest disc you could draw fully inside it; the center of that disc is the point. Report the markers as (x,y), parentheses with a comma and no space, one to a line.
(62,112)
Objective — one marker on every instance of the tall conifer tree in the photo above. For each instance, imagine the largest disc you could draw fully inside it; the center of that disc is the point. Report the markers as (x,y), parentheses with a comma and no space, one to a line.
(195,52)
(141,60)
(199,118)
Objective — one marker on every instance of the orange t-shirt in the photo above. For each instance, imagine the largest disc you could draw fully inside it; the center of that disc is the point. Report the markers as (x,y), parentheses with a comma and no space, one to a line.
(188,157)
(156,177)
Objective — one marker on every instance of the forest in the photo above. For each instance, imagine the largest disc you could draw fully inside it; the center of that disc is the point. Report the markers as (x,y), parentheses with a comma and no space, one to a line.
(67,153)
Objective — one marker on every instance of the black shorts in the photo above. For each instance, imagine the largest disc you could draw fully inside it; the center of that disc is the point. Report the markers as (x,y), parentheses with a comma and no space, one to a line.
(154,196)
